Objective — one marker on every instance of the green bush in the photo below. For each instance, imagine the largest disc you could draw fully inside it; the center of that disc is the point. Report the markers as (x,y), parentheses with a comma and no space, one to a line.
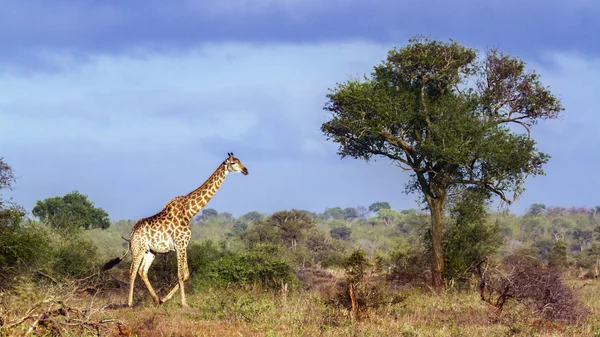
(201,256)
(469,237)
(76,257)
(558,255)
(23,247)
(408,263)
(262,264)
(341,233)
(356,265)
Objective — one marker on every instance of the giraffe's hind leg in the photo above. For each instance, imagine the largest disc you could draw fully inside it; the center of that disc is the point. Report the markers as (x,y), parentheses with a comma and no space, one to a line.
(136,261)
(146,262)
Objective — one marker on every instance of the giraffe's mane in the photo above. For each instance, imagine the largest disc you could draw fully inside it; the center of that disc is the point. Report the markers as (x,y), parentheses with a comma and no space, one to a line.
(166,209)
(205,183)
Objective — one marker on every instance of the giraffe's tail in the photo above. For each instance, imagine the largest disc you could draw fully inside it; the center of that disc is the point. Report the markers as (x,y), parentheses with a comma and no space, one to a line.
(108,265)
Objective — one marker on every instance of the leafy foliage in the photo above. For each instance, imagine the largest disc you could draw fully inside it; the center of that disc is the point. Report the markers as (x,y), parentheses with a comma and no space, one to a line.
(288,228)
(470,238)
(262,264)
(76,257)
(7,178)
(342,233)
(208,212)
(376,206)
(438,110)
(356,265)
(71,211)
(24,247)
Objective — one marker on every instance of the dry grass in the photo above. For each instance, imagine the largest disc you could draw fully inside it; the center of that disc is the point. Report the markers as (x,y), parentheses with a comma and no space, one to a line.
(253,312)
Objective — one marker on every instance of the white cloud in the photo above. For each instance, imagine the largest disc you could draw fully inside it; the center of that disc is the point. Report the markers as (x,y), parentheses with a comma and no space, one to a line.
(221,90)
(130,106)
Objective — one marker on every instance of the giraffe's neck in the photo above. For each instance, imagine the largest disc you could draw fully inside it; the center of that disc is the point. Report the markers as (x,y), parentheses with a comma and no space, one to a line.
(198,198)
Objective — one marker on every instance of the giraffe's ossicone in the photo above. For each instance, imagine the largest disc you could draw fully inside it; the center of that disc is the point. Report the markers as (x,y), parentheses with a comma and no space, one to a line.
(169,230)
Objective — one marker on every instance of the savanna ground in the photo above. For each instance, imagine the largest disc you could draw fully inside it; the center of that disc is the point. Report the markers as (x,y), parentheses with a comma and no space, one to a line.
(252,311)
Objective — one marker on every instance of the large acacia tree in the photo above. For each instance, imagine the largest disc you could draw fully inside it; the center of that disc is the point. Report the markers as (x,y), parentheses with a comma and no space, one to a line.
(455,118)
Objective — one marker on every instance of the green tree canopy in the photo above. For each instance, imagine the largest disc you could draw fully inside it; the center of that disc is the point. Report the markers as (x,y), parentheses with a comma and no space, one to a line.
(350,213)
(536,209)
(292,225)
(208,212)
(342,233)
(71,211)
(288,228)
(376,206)
(251,216)
(336,213)
(388,216)
(439,110)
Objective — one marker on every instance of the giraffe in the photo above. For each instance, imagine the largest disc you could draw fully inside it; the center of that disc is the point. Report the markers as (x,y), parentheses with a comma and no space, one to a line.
(169,230)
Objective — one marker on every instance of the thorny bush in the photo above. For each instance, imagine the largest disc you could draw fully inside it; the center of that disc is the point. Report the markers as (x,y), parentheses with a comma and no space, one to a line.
(525,279)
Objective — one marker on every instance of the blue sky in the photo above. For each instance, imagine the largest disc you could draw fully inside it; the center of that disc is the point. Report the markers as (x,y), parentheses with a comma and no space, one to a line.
(135,102)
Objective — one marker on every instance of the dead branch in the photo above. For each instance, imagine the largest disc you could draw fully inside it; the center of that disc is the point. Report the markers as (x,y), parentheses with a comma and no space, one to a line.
(59,317)
(41,273)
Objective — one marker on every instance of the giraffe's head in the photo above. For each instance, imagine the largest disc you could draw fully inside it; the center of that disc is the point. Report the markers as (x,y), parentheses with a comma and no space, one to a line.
(232,164)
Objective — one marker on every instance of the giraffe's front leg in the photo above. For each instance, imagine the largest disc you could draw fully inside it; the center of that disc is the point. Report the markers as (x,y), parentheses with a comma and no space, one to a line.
(183,274)
(170,294)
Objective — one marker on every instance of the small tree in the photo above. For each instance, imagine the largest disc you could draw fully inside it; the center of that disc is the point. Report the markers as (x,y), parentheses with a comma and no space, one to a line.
(536,209)
(342,233)
(7,178)
(350,213)
(436,109)
(70,212)
(9,212)
(292,225)
(23,245)
(558,255)
(388,216)
(376,206)
(469,238)
(209,212)
(252,216)
(336,213)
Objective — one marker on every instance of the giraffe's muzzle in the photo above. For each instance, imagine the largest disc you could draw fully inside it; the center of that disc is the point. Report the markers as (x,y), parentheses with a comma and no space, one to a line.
(245,171)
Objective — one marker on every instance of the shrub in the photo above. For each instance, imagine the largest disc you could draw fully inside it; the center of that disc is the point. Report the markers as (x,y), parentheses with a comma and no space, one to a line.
(201,255)
(408,263)
(558,255)
(524,278)
(23,247)
(469,238)
(76,257)
(262,264)
(341,233)
(356,265)
(359,292)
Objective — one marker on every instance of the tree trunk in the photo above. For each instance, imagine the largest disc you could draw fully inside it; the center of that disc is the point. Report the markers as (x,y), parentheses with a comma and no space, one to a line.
(435,206)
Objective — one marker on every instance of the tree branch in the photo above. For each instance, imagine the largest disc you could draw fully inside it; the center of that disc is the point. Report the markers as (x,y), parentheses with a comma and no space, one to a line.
(391,156)
(490,187)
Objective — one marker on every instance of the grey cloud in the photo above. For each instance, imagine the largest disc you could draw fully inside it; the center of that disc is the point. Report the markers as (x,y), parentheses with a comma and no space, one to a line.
(29,29)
